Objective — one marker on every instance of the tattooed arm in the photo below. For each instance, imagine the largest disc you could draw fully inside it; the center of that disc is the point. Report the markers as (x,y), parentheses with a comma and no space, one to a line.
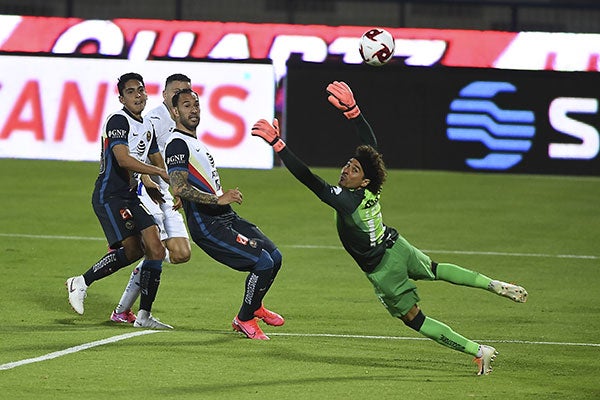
(177,157)
(182,188)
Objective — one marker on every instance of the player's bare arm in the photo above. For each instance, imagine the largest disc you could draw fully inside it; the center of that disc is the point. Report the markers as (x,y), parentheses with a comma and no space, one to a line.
(231,196)
(126,161)
(152,188)
(148,182)
(177,203)
(181,188)
(157,160)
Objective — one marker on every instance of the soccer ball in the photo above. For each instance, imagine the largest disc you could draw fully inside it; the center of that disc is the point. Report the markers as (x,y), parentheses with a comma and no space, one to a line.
(376,46)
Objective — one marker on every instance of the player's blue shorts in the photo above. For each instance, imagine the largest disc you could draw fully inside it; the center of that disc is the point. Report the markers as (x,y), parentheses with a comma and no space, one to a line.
(229,239)
(121,217)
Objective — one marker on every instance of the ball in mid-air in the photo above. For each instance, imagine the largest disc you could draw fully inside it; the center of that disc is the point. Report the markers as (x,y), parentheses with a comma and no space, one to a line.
(376,46)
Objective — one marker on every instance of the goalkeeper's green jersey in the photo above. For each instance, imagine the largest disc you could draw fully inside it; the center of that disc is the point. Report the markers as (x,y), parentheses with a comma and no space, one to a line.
(357,212)
(360,226)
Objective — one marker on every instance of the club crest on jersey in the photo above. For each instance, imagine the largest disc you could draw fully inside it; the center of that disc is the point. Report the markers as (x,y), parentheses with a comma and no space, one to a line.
(125,214)
(241,239)
(148,135)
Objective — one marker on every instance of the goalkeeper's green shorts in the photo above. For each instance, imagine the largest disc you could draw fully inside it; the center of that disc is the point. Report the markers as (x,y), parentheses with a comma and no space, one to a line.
(391,277)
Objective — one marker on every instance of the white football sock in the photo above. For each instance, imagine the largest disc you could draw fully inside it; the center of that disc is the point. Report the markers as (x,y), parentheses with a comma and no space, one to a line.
(132,290)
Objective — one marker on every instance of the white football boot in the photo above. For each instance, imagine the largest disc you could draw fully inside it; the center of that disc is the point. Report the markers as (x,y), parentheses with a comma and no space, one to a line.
(513,292)
(484,363)
(146,320)
(77,292)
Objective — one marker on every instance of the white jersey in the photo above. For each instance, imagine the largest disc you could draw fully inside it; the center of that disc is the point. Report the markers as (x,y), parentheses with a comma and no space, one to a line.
(121,128)
(169,221)
(163,126)
(186,153)
(163,123)
(141,139)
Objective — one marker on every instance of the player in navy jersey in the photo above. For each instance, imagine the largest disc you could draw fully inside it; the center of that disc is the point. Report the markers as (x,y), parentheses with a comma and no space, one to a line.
(214,226)
(130,230)
(173,231)
(388,260)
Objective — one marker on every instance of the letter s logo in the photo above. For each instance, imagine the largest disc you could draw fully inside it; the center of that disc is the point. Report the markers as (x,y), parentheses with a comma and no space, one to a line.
(559,119)
(236,121)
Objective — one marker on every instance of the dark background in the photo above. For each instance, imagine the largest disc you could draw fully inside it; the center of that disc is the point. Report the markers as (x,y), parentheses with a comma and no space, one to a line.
(407,108)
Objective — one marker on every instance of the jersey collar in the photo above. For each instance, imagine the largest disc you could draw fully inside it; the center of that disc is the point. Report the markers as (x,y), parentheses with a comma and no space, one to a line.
(132,116)
(184,133)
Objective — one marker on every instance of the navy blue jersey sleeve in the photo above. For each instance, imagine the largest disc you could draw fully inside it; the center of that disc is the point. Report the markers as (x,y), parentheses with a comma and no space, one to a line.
(117,130)
(341,200)
(177,155)
(154,143)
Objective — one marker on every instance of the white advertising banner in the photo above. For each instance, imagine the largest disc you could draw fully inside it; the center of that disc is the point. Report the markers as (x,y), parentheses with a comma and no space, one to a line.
(55,107)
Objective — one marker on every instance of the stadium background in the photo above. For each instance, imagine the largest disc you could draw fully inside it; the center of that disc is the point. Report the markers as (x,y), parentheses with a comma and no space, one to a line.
(413,120)
(338,342)
(504,15)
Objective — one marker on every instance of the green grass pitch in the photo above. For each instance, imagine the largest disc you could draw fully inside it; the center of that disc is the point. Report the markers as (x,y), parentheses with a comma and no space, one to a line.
(338,341)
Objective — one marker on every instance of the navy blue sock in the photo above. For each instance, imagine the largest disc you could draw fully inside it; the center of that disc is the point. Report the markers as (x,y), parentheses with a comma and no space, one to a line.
(149,283)
(108,264)
(257,283)
(277,259)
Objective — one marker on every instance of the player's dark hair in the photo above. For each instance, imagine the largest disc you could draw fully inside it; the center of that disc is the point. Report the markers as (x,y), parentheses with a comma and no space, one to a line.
(178,94)
(123,79)
(177,78)
(373,167)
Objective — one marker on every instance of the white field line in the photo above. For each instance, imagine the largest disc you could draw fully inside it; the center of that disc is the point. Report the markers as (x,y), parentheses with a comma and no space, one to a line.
(113,339)
(485,253)
(330,335)
(307,246)
(75,349)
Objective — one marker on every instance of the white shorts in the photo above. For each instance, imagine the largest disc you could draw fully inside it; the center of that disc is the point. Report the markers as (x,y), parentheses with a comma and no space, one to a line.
(169,221)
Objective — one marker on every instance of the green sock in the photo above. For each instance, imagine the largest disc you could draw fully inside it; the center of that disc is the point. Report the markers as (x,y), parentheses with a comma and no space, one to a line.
(445,336)
(461,276)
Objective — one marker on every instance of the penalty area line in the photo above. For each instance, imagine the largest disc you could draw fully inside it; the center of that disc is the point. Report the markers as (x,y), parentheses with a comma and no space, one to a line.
(75,349)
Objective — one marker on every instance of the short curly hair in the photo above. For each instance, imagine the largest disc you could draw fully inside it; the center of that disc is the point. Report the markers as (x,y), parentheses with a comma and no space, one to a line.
(373,167)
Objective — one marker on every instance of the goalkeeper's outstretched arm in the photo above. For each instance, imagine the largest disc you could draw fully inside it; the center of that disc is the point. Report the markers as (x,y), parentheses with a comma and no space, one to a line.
(301,171)
(341,97)
(365,132)
(270,134)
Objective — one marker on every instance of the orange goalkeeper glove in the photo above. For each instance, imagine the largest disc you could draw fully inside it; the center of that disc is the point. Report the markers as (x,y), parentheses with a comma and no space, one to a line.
(269,133)
(340,95)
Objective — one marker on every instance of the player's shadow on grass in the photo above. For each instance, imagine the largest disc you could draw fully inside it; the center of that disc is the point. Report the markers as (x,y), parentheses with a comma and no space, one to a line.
(258,386)
(393,361)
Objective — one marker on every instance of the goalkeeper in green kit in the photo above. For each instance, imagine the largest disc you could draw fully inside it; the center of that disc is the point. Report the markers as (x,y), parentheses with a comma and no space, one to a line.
(389,261)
